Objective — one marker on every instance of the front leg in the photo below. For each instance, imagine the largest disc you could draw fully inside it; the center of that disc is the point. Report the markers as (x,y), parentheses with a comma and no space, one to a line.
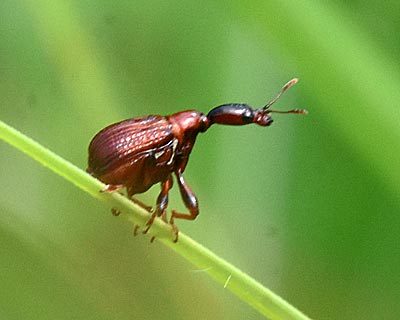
(190,201)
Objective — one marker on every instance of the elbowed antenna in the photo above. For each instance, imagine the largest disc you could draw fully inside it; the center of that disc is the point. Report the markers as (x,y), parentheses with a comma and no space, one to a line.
(286,87)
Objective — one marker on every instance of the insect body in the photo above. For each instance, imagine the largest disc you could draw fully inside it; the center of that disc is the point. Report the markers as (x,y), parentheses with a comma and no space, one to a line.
(140,152)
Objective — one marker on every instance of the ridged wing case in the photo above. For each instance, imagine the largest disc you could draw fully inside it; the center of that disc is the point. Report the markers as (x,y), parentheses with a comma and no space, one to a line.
(122,144)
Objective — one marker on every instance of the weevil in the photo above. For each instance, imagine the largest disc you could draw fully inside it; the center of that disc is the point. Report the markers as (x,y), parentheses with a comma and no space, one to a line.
(137,153)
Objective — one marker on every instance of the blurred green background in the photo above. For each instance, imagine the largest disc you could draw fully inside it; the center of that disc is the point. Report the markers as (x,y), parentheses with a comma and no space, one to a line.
(309,206)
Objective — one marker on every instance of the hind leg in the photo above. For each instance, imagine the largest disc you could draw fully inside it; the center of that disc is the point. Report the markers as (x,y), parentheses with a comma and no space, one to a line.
(113,188)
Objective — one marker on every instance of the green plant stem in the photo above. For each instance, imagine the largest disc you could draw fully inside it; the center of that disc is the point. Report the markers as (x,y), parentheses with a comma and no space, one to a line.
(246,288)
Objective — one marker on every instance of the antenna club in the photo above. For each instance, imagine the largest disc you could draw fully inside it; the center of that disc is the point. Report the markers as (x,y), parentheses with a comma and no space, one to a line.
(290,84)
(287,86)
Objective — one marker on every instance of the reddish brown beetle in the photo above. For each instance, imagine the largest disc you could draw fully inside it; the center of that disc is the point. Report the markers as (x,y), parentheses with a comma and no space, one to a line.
(140,152)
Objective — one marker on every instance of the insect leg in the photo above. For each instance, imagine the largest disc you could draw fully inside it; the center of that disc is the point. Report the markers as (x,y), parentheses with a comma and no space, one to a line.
(113,188)
(149,209)
(190,201)
(131,192)
(162,203)
(142,205)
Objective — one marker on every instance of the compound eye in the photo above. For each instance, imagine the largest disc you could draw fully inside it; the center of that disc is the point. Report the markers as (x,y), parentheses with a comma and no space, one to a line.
(248,116)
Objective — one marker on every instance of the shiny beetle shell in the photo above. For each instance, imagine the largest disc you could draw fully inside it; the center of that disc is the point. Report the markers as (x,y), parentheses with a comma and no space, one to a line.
(124,152)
